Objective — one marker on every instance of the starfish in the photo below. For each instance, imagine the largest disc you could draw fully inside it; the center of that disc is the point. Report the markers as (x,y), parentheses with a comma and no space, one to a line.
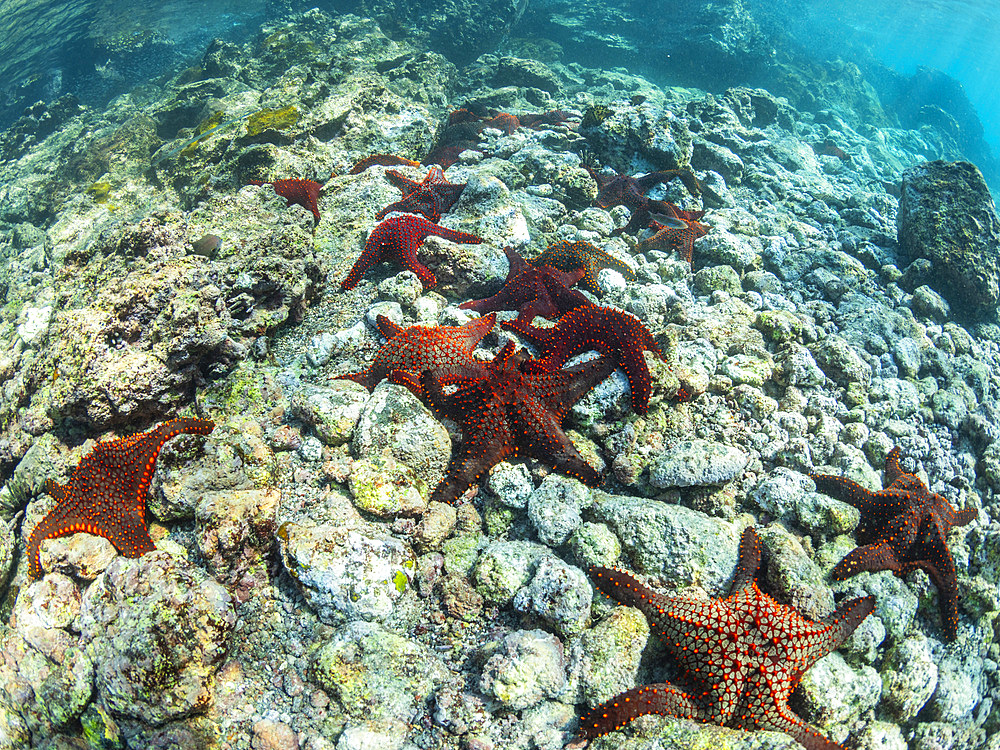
(386,160)
(447,154)
(532,290)
(545,119)
(431,197)
(106,493)
(603,329)
(742,656)
(446,350)
(397,239)
(303,192)
(515,407)
(570,256)
(660,211)
(623,190)
(903,527)
(674,234)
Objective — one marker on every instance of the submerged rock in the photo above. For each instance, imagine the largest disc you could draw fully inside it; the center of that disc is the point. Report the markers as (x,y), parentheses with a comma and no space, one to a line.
(946,215)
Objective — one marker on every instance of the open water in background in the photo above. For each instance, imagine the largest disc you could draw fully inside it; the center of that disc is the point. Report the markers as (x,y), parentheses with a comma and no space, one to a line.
(76,46)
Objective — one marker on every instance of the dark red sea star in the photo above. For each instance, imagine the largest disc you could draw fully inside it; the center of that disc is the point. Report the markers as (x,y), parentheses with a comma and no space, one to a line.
(675,235)
(660,211)
(385,160)
(303,192)
(445,350)
(431,197)
(603,329)
(742,656)
(106,493)
(514,408)
(623,190)
(572,256)
(447,154)
(532,290)
(903,527)
(397,239)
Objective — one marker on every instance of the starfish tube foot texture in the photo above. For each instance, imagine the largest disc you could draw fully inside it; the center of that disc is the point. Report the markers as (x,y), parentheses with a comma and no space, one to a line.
(106,493)
(514,408)
(903,527)
(742,656)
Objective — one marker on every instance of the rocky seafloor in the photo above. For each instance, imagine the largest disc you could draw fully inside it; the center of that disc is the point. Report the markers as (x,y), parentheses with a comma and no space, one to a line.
(304,592)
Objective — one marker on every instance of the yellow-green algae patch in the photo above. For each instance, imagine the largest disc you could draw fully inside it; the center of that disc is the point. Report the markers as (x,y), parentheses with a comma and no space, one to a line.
(272,119)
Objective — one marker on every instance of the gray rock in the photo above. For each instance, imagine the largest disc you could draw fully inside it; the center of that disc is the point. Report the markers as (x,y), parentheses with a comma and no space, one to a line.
(594,544)
(675,543)
(837,694)
(505,567)
(696,463)
(930,304)
(946,215)
(560,594)
(386,488)
(377,675)
(527,667)
(235,533)
(156,630)
(332,411)
(393,420)
(838,360)
(909,677)
(780,492)
(346,571)
(510,483)
(554,508)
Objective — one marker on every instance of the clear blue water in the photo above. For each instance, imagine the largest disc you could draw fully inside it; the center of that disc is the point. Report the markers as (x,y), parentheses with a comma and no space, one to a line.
(51,48)
(958,37)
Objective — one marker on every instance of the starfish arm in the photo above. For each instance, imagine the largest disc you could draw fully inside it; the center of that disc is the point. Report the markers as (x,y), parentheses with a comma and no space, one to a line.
(387,327)
(370,257)
(962,517)
(749,560)
(844,490)
(409,261)
(633,364)
(481,450)
(787,722)
(452,235)
(837,627)
(625,589)
(662,699)
(401,181)
(892,468)
(931,555)
(870,557)
(546,441)
(540,338)
(385,160)
(56,490)
(476,330)
(368,378)
(560,389)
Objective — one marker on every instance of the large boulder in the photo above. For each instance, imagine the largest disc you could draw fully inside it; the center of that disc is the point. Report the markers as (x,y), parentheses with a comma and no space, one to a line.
(946,215)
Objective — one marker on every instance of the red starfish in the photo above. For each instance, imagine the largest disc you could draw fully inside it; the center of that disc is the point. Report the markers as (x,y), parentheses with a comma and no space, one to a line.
(623,190)
(444,349)
(660,211)
(386,160)
(514,407)
(532,290)
(903,527)
(447,154)
(570,256)
(676,234)
(546,119)
(106,493)
(603,329)
(742,655)
(397,239)
(430,197)
(303,192)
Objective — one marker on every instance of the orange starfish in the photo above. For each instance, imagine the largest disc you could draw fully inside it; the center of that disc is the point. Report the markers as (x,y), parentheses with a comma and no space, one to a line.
(106,493)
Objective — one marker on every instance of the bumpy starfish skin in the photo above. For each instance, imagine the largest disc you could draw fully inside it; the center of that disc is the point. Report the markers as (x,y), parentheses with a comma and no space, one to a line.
(397,239)
(678,236)
(445,350)
(605,330)
(515,408)
(431,197)
(623,190)
(641,217)
(570,256)
(742,655)
(385,160)
(532,290)
(106,493)
(303,192)
(903,527)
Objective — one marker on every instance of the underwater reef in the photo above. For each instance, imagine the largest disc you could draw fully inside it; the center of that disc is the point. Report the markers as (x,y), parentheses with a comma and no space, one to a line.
(355,395)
